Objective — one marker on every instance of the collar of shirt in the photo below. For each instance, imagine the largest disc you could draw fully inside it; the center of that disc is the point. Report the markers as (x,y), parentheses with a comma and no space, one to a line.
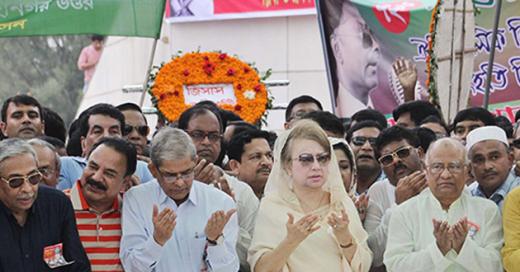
(80,203)
(501,192)
(163,197)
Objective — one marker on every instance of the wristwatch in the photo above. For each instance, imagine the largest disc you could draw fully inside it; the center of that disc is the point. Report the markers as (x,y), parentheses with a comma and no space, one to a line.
(219,241)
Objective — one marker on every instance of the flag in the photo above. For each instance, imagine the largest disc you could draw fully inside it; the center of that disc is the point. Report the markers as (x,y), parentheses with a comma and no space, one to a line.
(140,18)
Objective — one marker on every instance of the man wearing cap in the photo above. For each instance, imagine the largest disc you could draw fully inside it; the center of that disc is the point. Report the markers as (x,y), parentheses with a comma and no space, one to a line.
(491,162)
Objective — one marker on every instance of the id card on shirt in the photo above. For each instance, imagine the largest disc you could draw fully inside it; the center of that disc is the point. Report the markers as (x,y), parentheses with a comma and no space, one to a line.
(53,256)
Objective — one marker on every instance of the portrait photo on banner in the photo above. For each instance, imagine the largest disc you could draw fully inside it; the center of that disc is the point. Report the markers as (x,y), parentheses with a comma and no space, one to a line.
(361,41)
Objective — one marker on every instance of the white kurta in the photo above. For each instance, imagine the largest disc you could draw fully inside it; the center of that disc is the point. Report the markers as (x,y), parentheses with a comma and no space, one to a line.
(411,245)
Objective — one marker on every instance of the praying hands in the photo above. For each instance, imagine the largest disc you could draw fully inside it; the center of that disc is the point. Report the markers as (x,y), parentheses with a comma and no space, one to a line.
(450,237)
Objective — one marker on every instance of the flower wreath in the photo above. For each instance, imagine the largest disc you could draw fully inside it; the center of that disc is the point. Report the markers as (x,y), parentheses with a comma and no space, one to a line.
(166,84)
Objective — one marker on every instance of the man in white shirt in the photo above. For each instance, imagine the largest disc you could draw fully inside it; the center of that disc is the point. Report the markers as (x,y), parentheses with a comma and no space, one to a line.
(445,228)
(205,127)
(175,223)
(400,158)
(491,162)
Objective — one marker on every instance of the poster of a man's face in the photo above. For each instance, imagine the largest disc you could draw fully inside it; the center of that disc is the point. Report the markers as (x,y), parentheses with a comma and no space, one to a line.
(353,56)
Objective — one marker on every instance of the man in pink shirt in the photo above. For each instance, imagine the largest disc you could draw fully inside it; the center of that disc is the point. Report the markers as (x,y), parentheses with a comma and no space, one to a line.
(89,58)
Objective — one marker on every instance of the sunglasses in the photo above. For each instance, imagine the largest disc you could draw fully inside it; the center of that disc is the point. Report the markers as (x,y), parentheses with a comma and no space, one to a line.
(400,153)
(366,36)
(142,130)
(199,136)
(360,140)
(307,159)
(15,182)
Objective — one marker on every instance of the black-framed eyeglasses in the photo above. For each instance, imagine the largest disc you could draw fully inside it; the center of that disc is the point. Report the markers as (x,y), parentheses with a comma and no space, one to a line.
(307,159)
(453,167)
(173,177)
(142,130)
(199,136)
(15,182)
(46,171)
(361,140)
(400,153)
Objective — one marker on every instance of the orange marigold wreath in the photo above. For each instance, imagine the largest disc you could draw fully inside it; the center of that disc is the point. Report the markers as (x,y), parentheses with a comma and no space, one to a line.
(166,84)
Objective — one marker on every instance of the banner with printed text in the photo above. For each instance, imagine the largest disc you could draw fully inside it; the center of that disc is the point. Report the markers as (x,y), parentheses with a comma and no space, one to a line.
(140,18)
(362,38)
(204,10)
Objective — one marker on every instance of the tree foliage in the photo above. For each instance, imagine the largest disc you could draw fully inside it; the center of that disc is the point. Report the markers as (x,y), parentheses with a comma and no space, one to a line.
(46,68)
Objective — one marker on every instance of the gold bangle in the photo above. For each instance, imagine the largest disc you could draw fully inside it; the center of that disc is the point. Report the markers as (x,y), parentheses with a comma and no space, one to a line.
(347,245)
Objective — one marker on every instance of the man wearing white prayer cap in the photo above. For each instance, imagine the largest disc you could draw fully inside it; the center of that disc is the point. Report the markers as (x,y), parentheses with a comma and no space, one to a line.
(491,162)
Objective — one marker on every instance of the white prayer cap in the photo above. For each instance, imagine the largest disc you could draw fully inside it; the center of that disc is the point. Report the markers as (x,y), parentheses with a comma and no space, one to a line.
(485,133)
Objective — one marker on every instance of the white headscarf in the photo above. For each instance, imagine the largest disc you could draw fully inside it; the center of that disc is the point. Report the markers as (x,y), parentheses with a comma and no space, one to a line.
(279,181)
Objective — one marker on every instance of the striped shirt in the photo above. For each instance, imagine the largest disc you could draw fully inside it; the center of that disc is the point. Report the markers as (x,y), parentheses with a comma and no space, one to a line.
(100,234)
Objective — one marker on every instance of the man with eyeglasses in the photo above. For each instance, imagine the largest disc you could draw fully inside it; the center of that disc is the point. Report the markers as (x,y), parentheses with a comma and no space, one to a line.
(176,223)
(37,225)
(400,158)
(48,161)
(445,228)
(362,138)
(205,127)
(136,128)
(299,107)
(98,121)
(491,163)
(469,119)
(96,198)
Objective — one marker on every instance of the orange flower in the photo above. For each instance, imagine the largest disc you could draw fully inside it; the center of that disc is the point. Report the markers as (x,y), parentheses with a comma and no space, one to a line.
(208,68)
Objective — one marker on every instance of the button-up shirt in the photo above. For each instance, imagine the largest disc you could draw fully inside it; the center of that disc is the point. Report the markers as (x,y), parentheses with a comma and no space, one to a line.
(100,233)
(500,194)
(187,249)
(411,245)
(72,169)
(50,221)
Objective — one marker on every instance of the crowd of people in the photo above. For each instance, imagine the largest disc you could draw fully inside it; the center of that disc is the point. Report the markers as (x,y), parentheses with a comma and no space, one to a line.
(211,192)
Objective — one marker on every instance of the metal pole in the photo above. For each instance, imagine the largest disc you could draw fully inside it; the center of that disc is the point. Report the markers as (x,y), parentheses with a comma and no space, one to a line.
(492,54)
(143,94)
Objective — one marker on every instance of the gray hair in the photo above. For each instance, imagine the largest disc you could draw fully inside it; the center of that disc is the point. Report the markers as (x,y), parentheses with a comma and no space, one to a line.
(172,144)
(449,143)
(43,143)
(14,147)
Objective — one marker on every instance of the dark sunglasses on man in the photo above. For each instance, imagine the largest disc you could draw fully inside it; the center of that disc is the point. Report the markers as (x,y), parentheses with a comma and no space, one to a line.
(15,182)
(142,130)
(361,140)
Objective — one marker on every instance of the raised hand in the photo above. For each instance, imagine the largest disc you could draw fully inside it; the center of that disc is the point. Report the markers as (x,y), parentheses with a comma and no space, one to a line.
(339,224)
(205,171)
(406,72)
(410,186)
(222,184)
(297,232)
(163,224)
(362,205)
(441,233)
(216,224)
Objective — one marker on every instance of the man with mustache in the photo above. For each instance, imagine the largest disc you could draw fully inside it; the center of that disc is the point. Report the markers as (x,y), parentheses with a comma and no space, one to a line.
(97,201)
(37,226)
(251,158)
(22,117)
(176,223)
(400,157)
(96,122)
(491,162)
(204,125)
(445,228)
(362,137)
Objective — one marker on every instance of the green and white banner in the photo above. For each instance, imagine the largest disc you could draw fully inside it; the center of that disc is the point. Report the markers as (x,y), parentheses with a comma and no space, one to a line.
(140,18)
